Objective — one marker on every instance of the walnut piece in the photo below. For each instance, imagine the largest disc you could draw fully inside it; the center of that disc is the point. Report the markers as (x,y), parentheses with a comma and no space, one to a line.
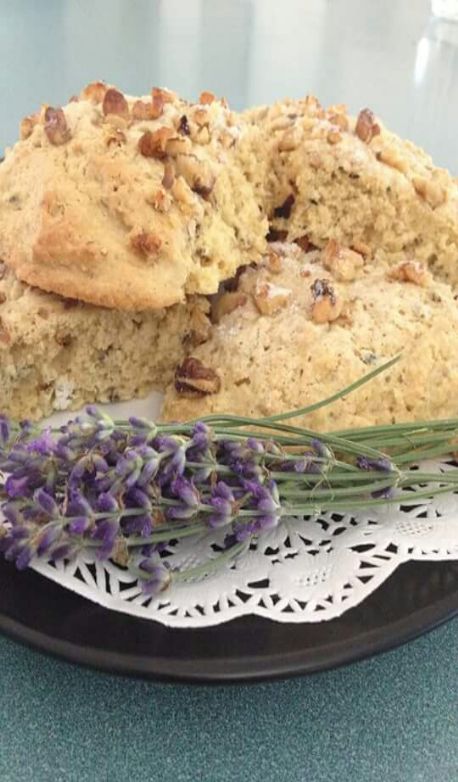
(201,117)
(269,298)
(290,140)
(341,261)
(274,262)
(27,125)
(411,271)
(227,303)
(145,243)
(199,327)
(56,126)
(284,210)
(206,98)
(337,115)
(94,91)
(197,174)
(333,137)
(305,244)
(366,126)
(429,191)
(169,176)
(114,102)
(154,143)
(391,157)
(166,96)
(142,110)
(326,305)
(116,137)
(160,201)
(193,379)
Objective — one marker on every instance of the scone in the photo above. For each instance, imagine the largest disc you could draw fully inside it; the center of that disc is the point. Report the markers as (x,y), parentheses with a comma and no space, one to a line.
(325,175)
(129,203)
(304,325)
(57,354)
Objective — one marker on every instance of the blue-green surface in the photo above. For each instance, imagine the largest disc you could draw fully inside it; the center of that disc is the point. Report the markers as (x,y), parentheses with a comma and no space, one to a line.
(390,719)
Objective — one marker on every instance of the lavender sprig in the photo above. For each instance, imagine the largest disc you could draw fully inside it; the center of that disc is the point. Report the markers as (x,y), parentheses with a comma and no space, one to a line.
(127,488)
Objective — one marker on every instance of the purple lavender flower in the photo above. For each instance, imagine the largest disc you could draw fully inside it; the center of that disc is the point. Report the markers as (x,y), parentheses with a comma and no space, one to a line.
(138,525)
(383,464)
(48,535)
(79,525)
(46,503)
(222,501)
(17,487)
(106,531)
(183,489)
(255,445)
(201,437)
(78,505)
(44,444)
(106,503)
(5,429)
(155,575)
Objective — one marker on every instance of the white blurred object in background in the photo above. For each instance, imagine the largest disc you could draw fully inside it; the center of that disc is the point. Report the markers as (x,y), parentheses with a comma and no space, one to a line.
(446,9)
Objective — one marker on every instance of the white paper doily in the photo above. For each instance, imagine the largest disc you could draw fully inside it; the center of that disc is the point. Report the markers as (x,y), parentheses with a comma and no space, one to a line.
(306,570)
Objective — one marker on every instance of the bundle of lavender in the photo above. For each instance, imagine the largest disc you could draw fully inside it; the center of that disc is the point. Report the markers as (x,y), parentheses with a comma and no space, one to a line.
(127,488)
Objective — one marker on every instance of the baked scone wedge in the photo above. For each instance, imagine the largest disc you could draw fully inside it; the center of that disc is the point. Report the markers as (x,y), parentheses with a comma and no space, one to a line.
(326,175)
(58,354)
(302,326)
(129,203)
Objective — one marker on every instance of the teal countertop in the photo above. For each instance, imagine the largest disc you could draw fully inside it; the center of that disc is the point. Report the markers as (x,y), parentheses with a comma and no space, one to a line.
(389,719)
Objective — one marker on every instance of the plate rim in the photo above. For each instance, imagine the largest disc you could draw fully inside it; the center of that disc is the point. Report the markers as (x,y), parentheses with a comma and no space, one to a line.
(241,669)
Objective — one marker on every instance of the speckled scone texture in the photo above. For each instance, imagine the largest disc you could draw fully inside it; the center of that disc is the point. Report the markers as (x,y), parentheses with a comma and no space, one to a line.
(304,325)
(57,354)
(129,203)
(327,175)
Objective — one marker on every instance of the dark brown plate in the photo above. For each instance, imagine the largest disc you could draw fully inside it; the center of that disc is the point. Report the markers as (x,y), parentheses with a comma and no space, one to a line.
(416,598)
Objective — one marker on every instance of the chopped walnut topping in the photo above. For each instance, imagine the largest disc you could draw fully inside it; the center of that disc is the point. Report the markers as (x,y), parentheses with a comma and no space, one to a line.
(206,98)
(313,105)
(411,271)
(27,125)
(391,157)
(201,117)
(142,110)
(179,145)
(94,91)
(290,140)
(183,195)
(366,126)
(270,298)
(145,243)
(341,261)
(326,306)
(333,137)
(117,137)
(166,96)
(285,209)
(337,115)
(2,298)
(362,248)
(227,303)
(114,102)
(154,143)
(197,174)
(276,236)
(305,244)
(160,200)
(199,327)
(193,379)
(183,126)
(56,127)
(169,176)
(429,191)
(274,262)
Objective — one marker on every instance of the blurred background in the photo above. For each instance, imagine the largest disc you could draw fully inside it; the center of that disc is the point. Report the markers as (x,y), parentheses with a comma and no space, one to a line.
(395,57)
